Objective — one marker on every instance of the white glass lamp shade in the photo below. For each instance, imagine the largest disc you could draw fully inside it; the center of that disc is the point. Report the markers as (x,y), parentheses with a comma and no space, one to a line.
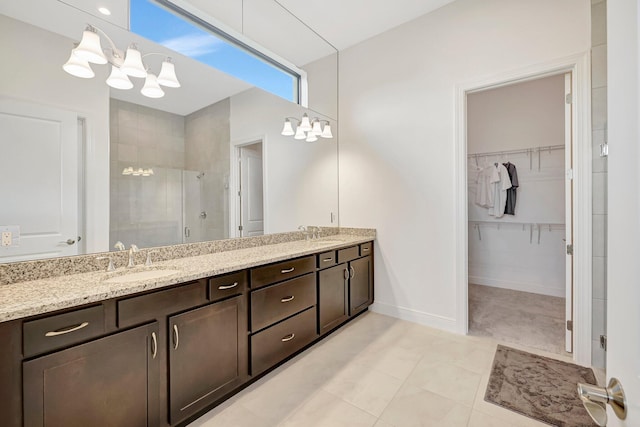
(78,67)
(167,76)
(132,64)
(311,137)
(151,87)
(305,124)
(118,80)
(317,127)
(90,49)
(300,134)
(287,129)
(326,132)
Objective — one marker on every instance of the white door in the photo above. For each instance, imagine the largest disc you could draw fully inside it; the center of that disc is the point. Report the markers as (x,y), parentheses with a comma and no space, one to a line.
(251,196)
(623,245)
(38,180)
(568,211)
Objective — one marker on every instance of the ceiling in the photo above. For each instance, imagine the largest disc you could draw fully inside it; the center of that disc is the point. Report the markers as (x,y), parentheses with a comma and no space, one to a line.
(344,23)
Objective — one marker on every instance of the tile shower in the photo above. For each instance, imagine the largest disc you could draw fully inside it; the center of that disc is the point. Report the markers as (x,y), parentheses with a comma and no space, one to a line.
(186,198)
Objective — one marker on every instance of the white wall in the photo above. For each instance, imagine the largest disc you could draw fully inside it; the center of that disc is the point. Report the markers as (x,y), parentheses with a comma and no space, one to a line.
(32,71)
(301,177)
(397,133)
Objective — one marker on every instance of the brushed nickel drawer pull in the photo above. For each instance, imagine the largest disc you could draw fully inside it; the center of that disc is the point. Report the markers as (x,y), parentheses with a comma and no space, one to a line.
(288,270)
(225,287)
(353,272)
(154,345)
(67,330)
(365,249)
(327,260)
(176,337)
(288,337)
(287,299)
(346,274)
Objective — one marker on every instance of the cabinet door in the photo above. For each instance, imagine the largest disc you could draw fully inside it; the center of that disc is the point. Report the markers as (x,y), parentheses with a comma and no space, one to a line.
(112,381)
(361,284)
(333,297)
(208,355)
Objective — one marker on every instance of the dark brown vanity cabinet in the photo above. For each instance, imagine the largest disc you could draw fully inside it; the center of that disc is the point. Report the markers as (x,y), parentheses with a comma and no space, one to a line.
(111,381)
(161,357)
(207,355)
(333,297)
(345,289)
(283,313)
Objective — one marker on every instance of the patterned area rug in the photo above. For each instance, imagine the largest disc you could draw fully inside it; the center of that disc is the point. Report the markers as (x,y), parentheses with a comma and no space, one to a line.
(538,387)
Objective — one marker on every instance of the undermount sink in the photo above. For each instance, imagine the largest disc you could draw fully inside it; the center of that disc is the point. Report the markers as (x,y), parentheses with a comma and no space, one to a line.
(141,275)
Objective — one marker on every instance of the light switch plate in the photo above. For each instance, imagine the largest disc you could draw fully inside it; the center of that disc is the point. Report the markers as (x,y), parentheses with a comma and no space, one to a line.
(10,235)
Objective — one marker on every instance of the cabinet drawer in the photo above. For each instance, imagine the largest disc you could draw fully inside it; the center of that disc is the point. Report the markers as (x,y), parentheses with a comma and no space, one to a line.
(348,254)
(62,330)
(277,302)
(227,285)
(327,259)
(132,311)
(281,271)
(366,249)
(282,340)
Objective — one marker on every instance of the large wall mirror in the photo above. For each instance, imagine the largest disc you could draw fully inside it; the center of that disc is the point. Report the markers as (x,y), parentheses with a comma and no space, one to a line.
(87,165)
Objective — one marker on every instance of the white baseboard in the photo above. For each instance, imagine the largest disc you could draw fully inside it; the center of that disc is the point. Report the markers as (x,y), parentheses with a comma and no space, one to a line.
(420,317)
(534,288)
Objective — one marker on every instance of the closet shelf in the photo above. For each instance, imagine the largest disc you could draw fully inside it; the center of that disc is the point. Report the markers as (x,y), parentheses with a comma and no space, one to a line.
(528,151)
(537,226)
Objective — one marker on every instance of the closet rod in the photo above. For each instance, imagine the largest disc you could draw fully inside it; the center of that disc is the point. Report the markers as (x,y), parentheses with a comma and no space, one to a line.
(518,151)
(540,224)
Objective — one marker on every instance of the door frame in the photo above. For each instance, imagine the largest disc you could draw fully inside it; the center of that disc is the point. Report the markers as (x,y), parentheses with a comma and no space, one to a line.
(234,208)
(579,66)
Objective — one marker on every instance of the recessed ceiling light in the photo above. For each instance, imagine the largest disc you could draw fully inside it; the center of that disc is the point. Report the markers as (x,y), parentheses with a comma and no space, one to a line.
(104,11)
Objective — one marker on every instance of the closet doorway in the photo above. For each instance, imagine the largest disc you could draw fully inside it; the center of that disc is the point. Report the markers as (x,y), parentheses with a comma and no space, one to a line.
(519,151)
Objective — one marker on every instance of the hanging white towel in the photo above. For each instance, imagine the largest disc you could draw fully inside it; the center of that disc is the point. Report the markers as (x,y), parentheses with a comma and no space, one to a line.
(500,183)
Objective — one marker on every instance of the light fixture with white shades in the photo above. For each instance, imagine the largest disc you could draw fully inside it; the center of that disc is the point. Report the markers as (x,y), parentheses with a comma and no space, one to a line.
(123,66)
(307,129)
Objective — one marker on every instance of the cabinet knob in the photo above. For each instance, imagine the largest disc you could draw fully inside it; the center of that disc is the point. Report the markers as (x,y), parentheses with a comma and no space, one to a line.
(176,337)
(225,287)
(288,337)
(154,345)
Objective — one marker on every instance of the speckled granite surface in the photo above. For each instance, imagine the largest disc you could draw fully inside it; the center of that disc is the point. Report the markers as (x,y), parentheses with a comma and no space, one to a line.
(64,290)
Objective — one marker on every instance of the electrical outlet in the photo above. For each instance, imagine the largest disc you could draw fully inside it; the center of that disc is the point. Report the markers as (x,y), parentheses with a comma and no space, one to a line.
(6,238)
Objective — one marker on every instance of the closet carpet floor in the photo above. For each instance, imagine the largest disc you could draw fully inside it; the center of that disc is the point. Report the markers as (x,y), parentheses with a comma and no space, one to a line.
(523,318)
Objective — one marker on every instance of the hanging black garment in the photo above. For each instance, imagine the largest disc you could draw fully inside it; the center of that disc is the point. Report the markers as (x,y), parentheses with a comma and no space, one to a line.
(510,207)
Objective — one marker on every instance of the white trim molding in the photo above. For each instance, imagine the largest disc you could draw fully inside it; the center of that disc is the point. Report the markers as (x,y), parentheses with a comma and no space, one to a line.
(415,316)
(579,66)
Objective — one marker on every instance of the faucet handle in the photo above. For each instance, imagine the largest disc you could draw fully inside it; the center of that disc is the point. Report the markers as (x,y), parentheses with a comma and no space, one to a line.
(110,267)
(149,262)
(119,246)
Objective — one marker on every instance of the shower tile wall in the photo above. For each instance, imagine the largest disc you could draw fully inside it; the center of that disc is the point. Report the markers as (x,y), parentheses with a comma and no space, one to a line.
(146,211)
(599,126)
(207,149)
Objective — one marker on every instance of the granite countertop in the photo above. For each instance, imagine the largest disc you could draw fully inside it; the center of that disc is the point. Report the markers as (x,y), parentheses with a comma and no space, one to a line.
(23,299)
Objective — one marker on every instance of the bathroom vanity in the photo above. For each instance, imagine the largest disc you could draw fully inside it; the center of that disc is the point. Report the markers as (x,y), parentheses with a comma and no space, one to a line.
(162,351)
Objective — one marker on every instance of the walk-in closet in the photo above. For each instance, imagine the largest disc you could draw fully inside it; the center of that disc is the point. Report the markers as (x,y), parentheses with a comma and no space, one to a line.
(519,212)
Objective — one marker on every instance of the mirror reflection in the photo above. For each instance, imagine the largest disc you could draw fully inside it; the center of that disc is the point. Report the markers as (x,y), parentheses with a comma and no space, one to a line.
(97,165)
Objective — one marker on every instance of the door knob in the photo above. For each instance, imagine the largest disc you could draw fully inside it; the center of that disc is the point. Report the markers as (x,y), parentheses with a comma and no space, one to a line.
(594,400)
(68,242)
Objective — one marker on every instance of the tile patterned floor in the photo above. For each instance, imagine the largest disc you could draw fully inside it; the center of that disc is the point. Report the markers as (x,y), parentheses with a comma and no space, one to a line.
(376,371)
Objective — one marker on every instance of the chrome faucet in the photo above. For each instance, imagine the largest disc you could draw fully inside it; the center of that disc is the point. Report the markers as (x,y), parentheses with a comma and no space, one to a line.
(305,231)
(314,231)
(110,267)
(119,246)
(132,251)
